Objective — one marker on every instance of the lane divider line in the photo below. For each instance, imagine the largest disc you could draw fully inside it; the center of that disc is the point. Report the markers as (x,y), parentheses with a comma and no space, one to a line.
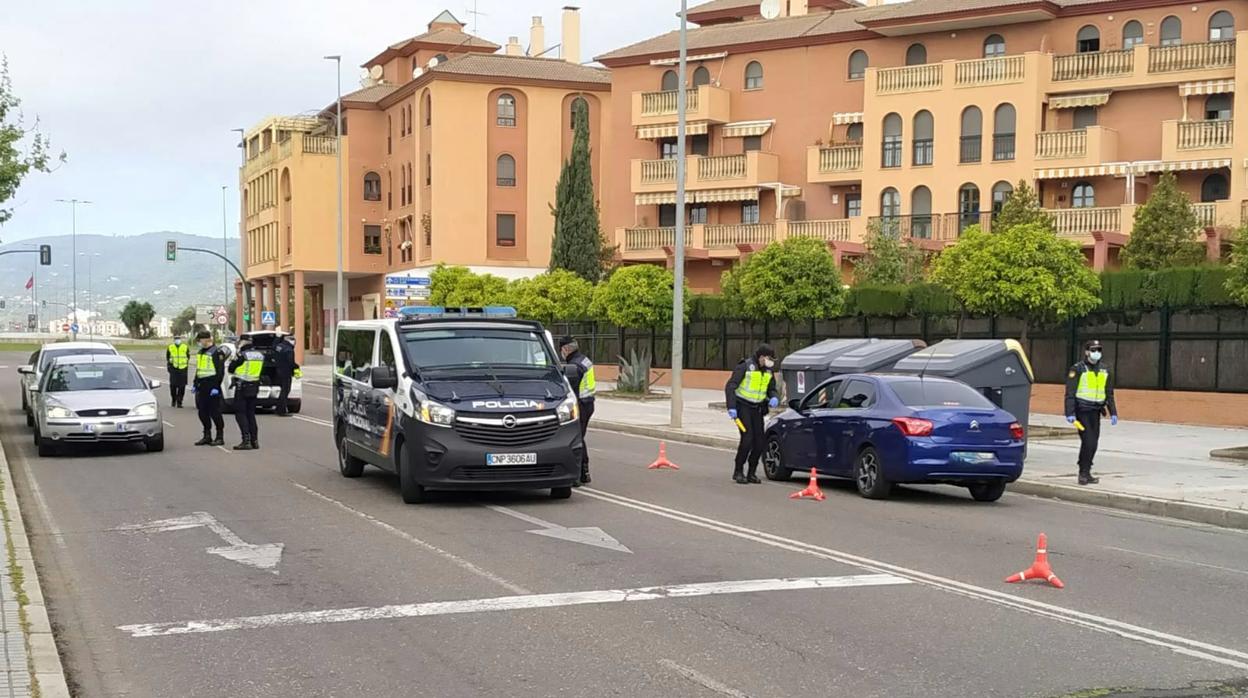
(702,679)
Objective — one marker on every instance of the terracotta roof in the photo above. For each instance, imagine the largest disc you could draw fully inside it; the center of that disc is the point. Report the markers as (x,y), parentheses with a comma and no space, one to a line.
(724,9)
(717,5)
(924,8)
(522,67)
(373,93)
(446,37)
(750,31)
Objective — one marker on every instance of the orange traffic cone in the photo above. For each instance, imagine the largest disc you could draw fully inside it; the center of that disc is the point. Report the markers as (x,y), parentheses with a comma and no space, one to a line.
(1040,569)
(812,489)
(662,461)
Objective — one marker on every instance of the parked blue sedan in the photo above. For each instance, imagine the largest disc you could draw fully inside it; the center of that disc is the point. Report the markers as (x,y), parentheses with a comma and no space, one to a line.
(881,430)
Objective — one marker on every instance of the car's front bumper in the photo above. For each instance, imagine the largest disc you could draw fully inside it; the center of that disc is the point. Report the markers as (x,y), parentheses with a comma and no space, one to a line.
(123,429)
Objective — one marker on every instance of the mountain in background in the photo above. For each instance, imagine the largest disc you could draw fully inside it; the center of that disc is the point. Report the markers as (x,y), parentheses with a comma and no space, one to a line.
(127,268)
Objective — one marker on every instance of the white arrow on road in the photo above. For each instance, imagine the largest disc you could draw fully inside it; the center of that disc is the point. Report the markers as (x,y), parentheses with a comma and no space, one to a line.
(264,556)
(588,535)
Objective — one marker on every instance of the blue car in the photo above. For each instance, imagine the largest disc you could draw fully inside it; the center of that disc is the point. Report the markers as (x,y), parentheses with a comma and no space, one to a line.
(881,430)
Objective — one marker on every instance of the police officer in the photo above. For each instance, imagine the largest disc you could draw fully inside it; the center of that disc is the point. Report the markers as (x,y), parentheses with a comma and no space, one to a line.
(750,393)
(209,371)
(177,360)
(1089,395)
(246,368)
(586,386)
(285,370)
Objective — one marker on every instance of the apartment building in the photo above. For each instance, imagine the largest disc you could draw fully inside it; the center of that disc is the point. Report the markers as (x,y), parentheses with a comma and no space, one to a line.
(451,151)
(920,117)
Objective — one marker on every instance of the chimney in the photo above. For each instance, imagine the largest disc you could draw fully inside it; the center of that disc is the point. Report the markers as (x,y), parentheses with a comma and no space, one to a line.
(572,34)
(513,46)
(798,8)
(537,38)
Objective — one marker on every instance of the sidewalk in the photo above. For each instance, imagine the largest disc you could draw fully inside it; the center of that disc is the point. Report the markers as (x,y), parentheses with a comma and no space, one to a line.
(1159,469)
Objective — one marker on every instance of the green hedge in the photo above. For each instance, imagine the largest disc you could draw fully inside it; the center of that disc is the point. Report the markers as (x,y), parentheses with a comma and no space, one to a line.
(1180,287)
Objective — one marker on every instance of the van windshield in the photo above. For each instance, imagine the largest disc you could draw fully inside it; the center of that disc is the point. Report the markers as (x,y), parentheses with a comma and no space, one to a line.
(436,349)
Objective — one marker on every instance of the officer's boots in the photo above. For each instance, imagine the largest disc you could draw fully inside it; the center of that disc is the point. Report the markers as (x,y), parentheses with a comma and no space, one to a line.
(1088,479)
(244,445)
(206,441)
(220,440)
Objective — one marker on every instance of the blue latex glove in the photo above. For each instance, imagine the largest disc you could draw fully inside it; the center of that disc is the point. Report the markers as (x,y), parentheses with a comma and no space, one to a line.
(1113,421)
(732,414)
(1070,419)
(774,402)
(215,392)
(194,390)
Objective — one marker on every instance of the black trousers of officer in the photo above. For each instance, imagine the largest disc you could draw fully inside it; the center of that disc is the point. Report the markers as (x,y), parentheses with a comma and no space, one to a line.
(752,443)
(283,385)
(177,386)
(246,396)
(209,408)
(1090,437)
(586,411)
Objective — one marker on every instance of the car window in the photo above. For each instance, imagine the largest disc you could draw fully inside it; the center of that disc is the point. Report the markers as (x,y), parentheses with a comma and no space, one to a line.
(355,354)
(75,377)
(859,394)
(49,354)
(386,355)
(938,393)
(34,359)
(821,398)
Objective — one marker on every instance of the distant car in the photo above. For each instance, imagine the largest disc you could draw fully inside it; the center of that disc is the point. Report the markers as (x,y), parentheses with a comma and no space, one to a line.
(40,360)
(263,341)
(881,430)
(95,399)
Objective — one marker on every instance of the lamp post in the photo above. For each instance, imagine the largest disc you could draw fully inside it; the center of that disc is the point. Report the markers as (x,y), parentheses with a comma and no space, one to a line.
(340,306)
(242,151)
(73,206)
(90,292)
(678,291)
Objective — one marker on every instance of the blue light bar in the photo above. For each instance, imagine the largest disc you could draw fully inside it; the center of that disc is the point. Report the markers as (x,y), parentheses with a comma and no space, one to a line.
(425,312)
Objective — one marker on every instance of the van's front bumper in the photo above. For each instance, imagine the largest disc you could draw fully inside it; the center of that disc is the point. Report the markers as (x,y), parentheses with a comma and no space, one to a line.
(442,458)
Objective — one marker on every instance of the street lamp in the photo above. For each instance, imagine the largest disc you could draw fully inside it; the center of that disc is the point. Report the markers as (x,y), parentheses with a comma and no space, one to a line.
(225,288)
(341,307)
(242,149)
(90,291)
(678,292)
(73,205)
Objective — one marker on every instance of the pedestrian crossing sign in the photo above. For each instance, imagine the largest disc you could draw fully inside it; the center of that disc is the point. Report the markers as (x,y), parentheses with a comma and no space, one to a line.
(268,318)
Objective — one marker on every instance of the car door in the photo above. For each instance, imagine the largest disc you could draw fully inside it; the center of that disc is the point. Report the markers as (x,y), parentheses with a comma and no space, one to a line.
(803,444)
(847,425)
(380,401)
(356,356)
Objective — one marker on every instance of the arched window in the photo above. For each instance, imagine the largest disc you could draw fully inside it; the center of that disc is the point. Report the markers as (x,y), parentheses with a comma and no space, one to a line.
(579,102)
(994,46)
(968,206)
(372,186)
(1221,26)
(506,171)
(701,76)
(1218,107)
(857,64)
(916,54)
(1215,188)
(428,107)
(853,133)
(754,76)
(1088,40)
(971,148)
(923,132)
(1000,192)
(1083,196)
(891,146)
(1171,31)
(890,204)
(1003,120)
(506,110)
(1132,34)
(670,82)
(921,212)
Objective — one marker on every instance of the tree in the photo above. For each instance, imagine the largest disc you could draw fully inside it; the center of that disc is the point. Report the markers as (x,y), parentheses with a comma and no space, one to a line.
(578,245)
(1165,231)
(184,323)
(796,279)
(137,317)
(15,162)
(1237,284)
(889,261)
(637,296)
(553,296)
(445,282)
(1025,271)
(1021,207)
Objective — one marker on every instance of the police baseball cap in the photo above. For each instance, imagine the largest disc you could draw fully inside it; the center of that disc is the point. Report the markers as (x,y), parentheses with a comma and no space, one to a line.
(565,340)
(204,334)
(1092,344)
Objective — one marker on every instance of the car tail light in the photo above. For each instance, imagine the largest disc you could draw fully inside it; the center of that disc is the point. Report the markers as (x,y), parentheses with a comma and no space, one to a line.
(911,426)
(1016,431)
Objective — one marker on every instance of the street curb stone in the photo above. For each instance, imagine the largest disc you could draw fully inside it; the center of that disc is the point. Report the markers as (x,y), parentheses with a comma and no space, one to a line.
(1185,511)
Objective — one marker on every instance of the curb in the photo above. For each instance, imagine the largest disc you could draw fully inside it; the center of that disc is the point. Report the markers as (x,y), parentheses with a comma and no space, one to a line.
(48,674)
(1171,509)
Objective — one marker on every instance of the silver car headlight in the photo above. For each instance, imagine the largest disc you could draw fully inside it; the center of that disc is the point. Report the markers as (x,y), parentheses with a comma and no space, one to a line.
(147,409)
(58,412)
(569,410)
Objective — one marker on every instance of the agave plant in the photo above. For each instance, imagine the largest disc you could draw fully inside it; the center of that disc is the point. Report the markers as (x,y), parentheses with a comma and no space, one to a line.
(634,373)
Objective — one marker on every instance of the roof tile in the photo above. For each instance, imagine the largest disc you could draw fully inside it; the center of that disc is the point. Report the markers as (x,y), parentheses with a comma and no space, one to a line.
(504,66)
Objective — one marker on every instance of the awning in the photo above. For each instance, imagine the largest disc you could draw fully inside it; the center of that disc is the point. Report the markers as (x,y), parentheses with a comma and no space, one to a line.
(655,198)
(710,196)
(1207,87)
(741,129)
(1088,99)
(1113,169)
(1122,169)
(1140,168)
(841,118)
(694,128)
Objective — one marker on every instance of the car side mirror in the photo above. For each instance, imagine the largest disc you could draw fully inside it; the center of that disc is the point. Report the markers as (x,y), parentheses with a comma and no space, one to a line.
(153,383)
(383,378)
(26,370)
(795,404)
(571,372)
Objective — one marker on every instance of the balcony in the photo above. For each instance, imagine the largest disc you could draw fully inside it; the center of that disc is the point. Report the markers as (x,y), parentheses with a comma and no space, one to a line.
(1090,66)
(940,227)
(834,163)
(1148,65)
(828,231)
(703,173)
(1195,140)
(297,144)
(990,71)
(727,241)
(1085,146)
(1184,57)
(636,239)
(1082,222)
(706,104)
(720,237)
(911,78)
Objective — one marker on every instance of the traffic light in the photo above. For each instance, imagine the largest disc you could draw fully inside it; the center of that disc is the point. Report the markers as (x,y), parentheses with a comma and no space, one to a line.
(171,251)
(45,255)
(1,304)
(43,304)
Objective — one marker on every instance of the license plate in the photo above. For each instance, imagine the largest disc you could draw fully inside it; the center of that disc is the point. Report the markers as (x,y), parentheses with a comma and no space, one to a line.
(975,456)
(511,459)
(88,428)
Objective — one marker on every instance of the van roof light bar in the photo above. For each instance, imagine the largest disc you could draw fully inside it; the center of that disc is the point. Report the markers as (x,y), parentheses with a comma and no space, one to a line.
(428,312)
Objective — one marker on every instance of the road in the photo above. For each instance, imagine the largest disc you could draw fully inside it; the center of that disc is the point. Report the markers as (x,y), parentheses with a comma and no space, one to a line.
(696,587)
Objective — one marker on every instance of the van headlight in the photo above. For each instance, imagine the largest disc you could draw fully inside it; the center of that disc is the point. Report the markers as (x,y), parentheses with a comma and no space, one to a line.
(58,412)
(431,412)
(147,409)
(568,410)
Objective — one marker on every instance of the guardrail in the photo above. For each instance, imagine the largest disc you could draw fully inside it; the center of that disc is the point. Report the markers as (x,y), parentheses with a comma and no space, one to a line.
(990,71)
(658,171)
(826,230)
(909,78)
(720,236)
(1200,135)
(722,167)
(650,238)
(1076,222)
(840,158)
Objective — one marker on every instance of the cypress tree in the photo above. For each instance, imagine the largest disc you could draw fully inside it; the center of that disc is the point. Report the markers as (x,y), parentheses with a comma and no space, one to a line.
(577,245)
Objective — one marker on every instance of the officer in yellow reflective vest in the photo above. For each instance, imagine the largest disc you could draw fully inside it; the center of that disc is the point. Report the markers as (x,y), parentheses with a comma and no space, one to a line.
(209,370)
(177,360)
(246,368)
(750,393)
(586,386)
(1089,396)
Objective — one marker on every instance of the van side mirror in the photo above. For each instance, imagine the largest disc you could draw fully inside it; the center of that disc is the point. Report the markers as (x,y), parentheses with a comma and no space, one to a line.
(795,404)
(26,370)
(571,372)
(384,379)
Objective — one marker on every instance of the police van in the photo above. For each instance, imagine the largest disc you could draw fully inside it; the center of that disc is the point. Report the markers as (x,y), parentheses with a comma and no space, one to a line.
(458,399)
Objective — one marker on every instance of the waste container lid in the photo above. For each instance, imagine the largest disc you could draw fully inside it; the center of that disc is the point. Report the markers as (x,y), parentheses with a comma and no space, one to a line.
(953,357)
(817,356)
(875,355)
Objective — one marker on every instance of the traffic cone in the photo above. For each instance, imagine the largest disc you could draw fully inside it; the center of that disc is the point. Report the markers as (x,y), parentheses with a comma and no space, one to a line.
(812,489)
(662,462)
(1039,569)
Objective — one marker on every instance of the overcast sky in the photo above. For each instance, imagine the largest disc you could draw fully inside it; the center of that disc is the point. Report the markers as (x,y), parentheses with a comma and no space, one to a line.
(142,94)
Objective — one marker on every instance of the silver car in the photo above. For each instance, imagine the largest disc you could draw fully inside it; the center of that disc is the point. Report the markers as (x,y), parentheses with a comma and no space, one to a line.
(95,399)
(32,373)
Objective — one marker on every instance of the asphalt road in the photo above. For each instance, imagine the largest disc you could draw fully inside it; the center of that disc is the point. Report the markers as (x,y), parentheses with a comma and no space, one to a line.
(703,588)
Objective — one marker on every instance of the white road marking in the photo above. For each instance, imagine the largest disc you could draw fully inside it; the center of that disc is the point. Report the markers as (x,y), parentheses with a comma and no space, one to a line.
(702,679)
(223,448)
(1193,648)
(166,422)
(53,530)
(1179,560)
(452,557)
(314,420)
(263,556)
(587,535)
(507,603)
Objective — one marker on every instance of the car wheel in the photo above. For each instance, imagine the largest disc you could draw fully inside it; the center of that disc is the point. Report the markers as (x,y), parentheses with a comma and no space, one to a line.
(560,492)
(294,406)
(156,444)
(25,405)
(30,419)
(46,447)
(348,465)
(869,475)
(987,491)
(412,492)
(773,462)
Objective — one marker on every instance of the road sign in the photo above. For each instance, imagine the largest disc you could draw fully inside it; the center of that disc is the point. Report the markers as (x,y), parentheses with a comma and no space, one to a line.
(65,327)
(222,320)
(268,318)
(73,327)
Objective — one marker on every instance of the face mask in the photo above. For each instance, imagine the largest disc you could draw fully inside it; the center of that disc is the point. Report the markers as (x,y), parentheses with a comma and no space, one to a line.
(1094,356)
(177,342)
(768,363)
(205,345)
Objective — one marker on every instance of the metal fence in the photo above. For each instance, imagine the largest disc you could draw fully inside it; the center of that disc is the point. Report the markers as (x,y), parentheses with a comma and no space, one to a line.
(1167,349)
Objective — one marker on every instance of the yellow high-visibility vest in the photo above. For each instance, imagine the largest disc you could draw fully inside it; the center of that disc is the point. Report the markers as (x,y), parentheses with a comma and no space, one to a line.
(1092,385)
(204,365)
(249,370)
(589,384)
(179,356)
(753,388)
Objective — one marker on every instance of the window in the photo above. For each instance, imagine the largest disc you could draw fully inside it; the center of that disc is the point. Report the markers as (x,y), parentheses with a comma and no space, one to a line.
(385,356)
(890,203)
(1084,117)
(750,143)
(390,131)
(857,65)
(428,101)
(390,190)
(994,46)
(821,398)
(1001,192)
(1221,26)
(506,175)
(916,54)
(858,395)
(355,354)
(372,239)
(1171,31)
(853,205)
(754,76)
(1218,107)
(891,146)
(701,77)
(972,135)
(403,186)
(372,187)
(1003,133)
(578,103)
(667,215)
(700,144)
(1088,40)
(415,66)
(922,138)
(1132,34)
(698,214)
(1084,196)
(428,170)
(506,110)
(749,212)
(670,81)
(968,206)
(853,134)
(921,213)
(1215,188)
(667,149)
(411,181)
(505,230)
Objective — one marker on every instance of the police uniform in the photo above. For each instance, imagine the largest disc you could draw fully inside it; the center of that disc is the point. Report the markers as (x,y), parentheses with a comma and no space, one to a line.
(177,361)
(586,387)
(246,368)
(749,391)
(209,371)
(1089,395)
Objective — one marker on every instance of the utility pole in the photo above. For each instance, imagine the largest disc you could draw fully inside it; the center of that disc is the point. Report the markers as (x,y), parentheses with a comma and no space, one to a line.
(341,312)
(225,288)
(73,205)
(678,292)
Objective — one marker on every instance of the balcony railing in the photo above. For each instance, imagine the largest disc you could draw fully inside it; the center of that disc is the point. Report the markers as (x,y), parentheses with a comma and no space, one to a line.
(828,231)
(922,152)
(320,145)
(1168,59)
(1052,145)
(1101,64)
(650,238)
(1076,222)
(1201,135)
(840,158)
(662,103)
(1003,147)
(1206,214)
(990,71)
(910,78)
(658,171)
(971,149)
(722,236)
(722,167)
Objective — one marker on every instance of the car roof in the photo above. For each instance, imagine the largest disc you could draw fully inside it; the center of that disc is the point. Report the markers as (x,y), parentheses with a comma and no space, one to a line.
(265,333)
(897,377)
(77,345)
(91,359)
